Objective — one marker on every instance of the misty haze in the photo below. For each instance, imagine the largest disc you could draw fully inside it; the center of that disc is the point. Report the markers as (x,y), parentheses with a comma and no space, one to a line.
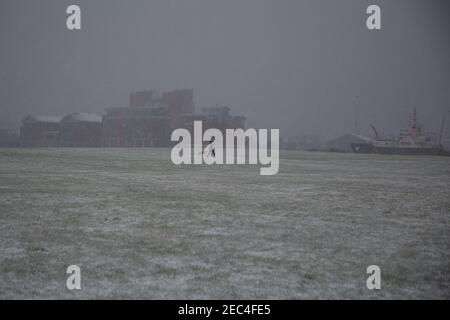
(86,132)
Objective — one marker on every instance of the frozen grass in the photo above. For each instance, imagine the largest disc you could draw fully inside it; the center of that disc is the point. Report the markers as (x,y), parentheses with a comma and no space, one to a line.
(140,227)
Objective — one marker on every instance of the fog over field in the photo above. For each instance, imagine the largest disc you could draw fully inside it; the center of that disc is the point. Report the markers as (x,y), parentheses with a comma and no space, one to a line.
(305,67)
(141,227)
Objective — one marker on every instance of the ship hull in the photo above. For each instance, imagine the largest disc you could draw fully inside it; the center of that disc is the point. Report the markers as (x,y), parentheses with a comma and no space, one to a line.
(363,148)
(408,151)
(370,148)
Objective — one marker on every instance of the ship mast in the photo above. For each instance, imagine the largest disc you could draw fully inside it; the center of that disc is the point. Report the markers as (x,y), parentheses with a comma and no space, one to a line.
(414,125)
(355,115)
(441,131)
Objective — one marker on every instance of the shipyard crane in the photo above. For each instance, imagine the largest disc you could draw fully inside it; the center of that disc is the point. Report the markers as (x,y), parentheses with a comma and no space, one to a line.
(374,130)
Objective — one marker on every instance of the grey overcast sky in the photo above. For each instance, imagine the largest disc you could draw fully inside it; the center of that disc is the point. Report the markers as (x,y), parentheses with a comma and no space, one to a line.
(289,64)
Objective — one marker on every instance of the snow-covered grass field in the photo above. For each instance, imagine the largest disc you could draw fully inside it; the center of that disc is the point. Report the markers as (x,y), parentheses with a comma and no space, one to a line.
(140,227)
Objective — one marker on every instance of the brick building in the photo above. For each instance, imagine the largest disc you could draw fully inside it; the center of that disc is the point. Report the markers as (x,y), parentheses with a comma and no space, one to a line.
(81,130)
(40,131)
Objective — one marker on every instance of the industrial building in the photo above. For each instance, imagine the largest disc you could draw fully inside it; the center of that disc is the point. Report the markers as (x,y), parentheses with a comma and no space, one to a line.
(40,131)
(147,122)
(73,130)
(81,130)
(214,117)
(135,127)
(149,98)
(151,118)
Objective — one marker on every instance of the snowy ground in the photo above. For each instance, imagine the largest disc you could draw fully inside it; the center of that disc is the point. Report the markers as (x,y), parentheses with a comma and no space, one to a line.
(140,227)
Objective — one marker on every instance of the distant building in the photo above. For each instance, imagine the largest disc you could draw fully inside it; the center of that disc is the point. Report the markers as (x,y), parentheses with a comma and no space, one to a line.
(40,131)
(214,117)
(81,130)
(220,118)
(147,122)
(179,101)
(150,119)
(343,143)
(178,104)
(150,98)
(135,127)
(9,139)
